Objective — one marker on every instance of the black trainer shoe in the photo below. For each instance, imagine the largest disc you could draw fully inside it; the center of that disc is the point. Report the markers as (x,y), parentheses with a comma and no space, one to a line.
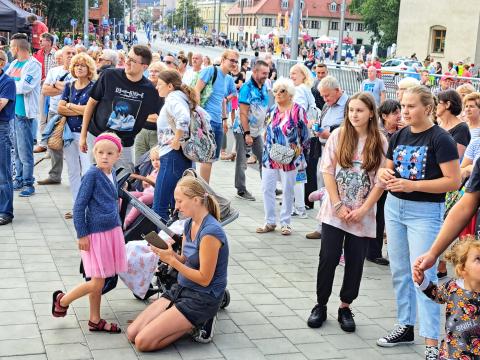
(245,195)
(204,334)
(431,353)
(345,318)
(318,316)
(401,334)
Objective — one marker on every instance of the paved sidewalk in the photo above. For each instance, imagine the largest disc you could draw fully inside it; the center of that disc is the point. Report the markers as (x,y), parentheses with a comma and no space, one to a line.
(271,281)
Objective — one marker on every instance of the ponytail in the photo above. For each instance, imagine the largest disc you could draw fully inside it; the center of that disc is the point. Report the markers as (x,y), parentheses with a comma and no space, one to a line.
(192,187)
(212,206)
(191,95)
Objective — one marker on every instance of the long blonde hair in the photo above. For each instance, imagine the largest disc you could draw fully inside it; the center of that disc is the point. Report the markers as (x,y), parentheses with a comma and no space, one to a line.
(192,187)
(348,141)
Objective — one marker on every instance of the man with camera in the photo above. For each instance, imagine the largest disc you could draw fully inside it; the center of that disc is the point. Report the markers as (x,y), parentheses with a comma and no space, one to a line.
(249,124)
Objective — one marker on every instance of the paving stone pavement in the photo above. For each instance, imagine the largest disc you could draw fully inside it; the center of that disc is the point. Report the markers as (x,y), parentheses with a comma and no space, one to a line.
(271,282)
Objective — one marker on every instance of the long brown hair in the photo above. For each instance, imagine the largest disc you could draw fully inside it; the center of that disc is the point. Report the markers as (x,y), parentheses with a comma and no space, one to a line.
(173,77)
(192,187)
(347,144)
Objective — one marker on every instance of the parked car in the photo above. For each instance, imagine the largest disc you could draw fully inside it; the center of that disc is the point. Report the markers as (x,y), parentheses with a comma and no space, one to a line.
(394,66)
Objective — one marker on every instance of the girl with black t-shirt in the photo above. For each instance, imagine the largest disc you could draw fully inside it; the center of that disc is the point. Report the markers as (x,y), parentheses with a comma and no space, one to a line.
(422,165)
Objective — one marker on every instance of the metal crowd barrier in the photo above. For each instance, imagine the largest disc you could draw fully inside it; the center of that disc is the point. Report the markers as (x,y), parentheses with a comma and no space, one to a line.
(351,77)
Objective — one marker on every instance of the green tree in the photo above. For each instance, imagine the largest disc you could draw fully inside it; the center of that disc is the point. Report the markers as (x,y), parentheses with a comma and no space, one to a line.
(145,16)
(115,9)
(380,18)
(191,12)
(60,12)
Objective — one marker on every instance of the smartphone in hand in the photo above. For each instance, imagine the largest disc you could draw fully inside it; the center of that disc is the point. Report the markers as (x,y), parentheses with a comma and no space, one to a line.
(155,240)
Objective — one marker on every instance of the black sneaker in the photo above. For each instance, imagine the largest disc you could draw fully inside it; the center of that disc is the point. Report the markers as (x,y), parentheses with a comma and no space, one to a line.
(431,353)
(345,318)
(245,195)
(204,334)
(402,334)
(318,316)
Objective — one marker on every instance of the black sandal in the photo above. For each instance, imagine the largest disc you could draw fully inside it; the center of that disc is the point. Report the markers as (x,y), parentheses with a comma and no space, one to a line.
(100,327)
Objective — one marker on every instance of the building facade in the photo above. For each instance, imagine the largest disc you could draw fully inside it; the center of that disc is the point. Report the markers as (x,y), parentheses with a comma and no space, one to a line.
(447,31)
(318,18)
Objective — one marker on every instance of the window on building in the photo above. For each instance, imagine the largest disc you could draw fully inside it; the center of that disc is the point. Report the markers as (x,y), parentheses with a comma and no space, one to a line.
(304,24)
(268,22)
(348,26)
(333,7)
(360,27)
(284,4)
(315,24)
(438,39)
(334,25)
(282,21)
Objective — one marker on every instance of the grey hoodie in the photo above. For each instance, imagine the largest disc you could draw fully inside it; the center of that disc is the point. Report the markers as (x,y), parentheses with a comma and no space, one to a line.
(29,85)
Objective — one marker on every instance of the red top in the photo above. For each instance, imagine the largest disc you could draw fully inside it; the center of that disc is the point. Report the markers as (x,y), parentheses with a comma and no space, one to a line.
(38,28)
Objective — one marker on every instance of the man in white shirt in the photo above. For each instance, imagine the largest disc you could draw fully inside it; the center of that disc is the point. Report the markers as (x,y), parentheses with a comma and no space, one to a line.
(55,82)
(191,76)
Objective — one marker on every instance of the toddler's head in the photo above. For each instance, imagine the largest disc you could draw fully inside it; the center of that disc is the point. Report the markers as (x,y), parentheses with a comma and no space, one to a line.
(107,150)
(465,257)
(155,157)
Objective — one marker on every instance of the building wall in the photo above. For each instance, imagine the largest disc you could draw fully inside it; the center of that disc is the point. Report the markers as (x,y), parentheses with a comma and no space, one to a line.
(461,20)
(255,24)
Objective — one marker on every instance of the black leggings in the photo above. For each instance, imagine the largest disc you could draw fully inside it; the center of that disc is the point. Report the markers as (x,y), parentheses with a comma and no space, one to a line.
(375,245)
(355,249)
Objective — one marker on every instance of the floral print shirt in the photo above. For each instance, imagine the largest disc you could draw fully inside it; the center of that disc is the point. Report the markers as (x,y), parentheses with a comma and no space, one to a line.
(354,185)
(288,129)
(462,326)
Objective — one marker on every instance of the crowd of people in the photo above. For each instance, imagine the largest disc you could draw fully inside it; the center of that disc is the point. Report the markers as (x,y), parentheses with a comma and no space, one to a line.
(372,165)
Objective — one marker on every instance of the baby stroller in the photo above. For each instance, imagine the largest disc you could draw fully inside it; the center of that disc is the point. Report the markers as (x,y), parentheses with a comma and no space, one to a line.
(164,276)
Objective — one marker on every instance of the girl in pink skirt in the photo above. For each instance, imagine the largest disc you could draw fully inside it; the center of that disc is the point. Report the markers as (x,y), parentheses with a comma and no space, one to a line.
(99,233)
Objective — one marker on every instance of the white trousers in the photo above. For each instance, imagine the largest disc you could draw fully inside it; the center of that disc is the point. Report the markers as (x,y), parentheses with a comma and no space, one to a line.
(77,164)
(299,191)
(269,180)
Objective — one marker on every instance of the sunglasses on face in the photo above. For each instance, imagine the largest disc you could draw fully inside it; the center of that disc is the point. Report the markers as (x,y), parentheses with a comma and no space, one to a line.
(279,91)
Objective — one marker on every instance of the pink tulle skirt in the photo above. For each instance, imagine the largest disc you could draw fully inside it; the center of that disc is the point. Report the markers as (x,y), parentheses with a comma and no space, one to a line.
(106,256)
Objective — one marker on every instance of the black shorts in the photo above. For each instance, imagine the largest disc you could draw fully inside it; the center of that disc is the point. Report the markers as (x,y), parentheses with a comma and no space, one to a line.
(197,307)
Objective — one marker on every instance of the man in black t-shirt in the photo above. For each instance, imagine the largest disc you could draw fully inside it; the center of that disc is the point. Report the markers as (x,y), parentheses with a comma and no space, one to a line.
(120,101)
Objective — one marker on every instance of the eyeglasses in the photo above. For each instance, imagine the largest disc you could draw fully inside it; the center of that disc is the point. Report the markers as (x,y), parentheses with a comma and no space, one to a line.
(233,61)
(132,60)
(279,91)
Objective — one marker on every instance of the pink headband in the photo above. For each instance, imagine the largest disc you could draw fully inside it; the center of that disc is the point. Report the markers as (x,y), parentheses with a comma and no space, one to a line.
(111,138)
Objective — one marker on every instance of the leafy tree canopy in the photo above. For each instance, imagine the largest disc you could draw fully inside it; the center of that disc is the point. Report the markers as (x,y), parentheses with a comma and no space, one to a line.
(192,15)
(380,17)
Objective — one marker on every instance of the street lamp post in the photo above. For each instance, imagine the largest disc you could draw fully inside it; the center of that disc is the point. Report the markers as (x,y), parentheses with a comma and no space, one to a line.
(242,29)
(340,32)
(85,24)
(295,25)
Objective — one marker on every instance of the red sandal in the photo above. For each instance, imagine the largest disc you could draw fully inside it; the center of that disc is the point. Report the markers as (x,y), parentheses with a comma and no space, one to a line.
(57,309)
(100,326)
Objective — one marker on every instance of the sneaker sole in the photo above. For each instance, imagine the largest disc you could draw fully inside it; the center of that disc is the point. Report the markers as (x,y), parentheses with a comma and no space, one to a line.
(243,198)
(389,345)
(20,195)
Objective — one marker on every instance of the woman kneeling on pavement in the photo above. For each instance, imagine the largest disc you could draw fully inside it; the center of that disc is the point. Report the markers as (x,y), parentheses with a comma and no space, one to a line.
(352,157)
(202,273)
(287,127)
(422,165)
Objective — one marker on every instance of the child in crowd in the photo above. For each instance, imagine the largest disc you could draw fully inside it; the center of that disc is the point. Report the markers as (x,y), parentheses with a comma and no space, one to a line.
(462,296)
(100,237)
(148,183)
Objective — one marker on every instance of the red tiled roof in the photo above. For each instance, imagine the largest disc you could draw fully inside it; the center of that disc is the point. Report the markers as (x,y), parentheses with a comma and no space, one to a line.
(315,8)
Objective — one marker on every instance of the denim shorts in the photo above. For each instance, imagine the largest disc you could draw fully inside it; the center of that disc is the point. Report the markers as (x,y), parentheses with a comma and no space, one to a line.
(197,307)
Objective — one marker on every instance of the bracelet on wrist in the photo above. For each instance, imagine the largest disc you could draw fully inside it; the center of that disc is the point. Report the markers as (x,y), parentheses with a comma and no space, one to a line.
(338,205)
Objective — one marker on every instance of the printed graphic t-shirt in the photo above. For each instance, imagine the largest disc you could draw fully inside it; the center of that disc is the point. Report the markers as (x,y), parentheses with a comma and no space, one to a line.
(123,105)
(417,156)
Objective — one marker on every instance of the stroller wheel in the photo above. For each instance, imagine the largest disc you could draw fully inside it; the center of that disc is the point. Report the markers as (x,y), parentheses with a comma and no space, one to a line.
(226,299)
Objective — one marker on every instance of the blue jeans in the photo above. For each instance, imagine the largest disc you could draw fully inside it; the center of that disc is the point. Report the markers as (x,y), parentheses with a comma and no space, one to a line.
(172,166)
(6,183)
(218,131)
(23,150)
(411,230)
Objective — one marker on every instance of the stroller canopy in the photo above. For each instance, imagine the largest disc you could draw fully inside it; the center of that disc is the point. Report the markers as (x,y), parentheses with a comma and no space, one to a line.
(12,18)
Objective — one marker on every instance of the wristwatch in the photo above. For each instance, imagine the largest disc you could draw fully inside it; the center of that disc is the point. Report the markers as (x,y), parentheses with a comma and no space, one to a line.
(245,133)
